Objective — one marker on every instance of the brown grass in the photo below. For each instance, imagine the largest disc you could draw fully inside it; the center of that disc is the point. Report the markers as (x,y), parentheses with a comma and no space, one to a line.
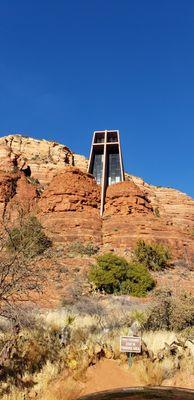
(153,373)
(66,389)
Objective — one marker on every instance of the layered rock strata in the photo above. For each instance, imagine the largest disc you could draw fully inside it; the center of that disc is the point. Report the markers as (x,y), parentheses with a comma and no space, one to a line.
(69,199)
(176,207)
(40,159)
(17,196)
(69,208)
(130,215)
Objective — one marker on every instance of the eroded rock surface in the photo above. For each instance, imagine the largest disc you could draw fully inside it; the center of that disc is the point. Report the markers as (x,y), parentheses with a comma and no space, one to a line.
(173,205)
(69,207)
(69,199)
(40,159)
(17,195)
(130,214)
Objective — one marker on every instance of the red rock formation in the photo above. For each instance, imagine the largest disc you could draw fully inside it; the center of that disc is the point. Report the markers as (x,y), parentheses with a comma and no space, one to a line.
(8,183)
(176,207)
(126,198)
(69,207)
(40,158)
(129,216)
(24,199)
(16,194)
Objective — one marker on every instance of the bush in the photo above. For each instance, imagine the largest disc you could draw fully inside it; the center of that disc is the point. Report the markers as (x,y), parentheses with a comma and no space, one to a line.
(78,248)
(171,312)
(114,274)
(28,238)
(138,282)
(27,352)
(157,212)
(154,256)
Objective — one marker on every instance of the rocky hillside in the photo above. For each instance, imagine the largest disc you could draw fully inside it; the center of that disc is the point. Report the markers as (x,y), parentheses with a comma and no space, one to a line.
(40,159)
(48,179)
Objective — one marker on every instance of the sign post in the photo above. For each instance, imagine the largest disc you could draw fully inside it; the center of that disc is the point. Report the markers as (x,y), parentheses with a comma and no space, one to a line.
(130,360)
(130,344)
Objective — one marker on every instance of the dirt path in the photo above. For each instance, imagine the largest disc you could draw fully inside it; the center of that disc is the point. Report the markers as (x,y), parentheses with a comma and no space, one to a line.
(108,374)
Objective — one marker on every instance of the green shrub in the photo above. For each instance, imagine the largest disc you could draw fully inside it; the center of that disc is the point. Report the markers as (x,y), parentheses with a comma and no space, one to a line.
(154,256)
(114,274)
(138,282)
(28,238)
(171,312)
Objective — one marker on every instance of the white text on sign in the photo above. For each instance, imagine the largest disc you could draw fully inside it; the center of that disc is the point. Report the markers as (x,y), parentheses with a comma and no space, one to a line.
(130,344)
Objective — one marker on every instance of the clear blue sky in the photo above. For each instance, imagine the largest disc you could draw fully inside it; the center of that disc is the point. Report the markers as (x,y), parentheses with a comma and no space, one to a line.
(68,68)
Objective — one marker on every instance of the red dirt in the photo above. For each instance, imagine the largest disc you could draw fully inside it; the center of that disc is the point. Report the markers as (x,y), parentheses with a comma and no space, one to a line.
(108,375)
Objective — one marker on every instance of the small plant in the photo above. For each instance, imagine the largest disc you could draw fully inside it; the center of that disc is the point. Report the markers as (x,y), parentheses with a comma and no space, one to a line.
(78,248)
(157,212)
(33,181)
(138,316)
(154,256)
(114,274)
(91,249)
(28,238)
(70,319)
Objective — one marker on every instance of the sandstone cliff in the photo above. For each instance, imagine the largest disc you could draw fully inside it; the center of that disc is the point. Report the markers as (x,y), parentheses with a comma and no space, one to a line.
(67,201)
(130,214)
(40,159)
(69,207)
(16,194)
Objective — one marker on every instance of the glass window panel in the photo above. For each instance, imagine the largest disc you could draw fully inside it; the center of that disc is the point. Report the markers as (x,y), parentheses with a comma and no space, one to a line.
(97,168)
(114,170)
(99,138)
(112,137)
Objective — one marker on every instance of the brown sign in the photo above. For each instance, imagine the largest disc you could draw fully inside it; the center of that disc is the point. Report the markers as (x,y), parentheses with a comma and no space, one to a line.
(130,344)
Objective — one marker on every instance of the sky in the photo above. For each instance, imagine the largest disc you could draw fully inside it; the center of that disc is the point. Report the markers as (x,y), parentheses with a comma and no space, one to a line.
(68,68)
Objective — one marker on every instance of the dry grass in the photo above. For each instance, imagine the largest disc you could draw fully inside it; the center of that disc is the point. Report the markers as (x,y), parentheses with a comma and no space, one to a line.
(66,389)
(48,373)
(16,394)
(155,340)
(190,345)
(58,319)
(187,365)
(153,373)
(103,314)
(52,384)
